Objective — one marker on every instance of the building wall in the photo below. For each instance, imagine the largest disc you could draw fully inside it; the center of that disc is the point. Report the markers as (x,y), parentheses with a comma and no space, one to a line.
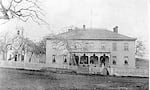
(121,53)
(91,46)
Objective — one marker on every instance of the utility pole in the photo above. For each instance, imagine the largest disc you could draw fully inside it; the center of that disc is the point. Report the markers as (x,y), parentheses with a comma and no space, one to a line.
(91,17)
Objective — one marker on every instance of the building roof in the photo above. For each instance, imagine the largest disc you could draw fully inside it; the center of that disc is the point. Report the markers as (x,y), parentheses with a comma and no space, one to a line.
(94,34)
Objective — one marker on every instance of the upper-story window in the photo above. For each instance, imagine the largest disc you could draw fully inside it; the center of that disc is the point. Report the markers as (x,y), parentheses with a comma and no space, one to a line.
(103,46)
(126,47)
(114,46)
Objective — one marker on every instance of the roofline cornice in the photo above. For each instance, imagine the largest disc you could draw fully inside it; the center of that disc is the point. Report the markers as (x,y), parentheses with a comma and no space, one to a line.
(107,39)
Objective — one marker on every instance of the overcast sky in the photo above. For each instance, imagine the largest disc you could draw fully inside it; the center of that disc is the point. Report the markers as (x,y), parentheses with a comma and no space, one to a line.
(130,15)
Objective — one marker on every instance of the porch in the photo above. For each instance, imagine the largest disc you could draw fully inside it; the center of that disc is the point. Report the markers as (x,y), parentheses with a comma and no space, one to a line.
(90,62)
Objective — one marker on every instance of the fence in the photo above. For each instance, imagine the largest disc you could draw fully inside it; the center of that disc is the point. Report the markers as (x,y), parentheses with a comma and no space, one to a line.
(21,65)
(124,71)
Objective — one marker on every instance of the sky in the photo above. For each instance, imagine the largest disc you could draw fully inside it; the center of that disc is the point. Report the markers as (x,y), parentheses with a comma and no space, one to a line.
(130,15)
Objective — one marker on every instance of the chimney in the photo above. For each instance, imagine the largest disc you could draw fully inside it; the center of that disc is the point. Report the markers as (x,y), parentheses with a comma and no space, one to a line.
(83,27)
(115,29)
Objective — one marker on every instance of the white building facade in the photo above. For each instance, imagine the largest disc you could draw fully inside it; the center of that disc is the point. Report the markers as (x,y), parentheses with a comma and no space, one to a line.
(93,50)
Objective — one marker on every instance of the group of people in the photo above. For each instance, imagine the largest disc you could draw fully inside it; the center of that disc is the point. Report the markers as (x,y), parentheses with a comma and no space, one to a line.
(93,59)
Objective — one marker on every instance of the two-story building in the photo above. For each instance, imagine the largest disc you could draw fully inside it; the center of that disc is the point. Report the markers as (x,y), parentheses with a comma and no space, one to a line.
(92,50)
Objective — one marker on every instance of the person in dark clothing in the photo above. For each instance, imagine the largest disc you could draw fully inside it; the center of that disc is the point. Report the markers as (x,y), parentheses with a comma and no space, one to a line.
(84,59)
(77,59)
(92,60)
(102,59)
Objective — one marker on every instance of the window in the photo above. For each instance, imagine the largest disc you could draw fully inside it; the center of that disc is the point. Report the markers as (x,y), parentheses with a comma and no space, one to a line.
(126,47)
(53,61)
(114,62)
(126,60)
(22,57)
(103,46)
(84,59)
(15,57)
(19,57)
(65,58)
(114,46)
(114,59)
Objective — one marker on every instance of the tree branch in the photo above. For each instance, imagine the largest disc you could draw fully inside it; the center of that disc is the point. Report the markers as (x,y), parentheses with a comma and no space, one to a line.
(33,11)
(18,1)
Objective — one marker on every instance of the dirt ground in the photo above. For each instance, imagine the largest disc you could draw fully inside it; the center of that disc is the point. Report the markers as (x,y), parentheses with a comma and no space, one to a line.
(11,79)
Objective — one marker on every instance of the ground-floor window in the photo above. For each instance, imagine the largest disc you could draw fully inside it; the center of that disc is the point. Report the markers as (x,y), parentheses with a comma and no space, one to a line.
(126,60)
(19,57)
(114,62)
(22,57)
(53,59)
(65,58)
(15,57)
(114,59)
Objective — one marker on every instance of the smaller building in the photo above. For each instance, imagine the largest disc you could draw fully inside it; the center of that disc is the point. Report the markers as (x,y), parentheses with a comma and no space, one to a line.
(21,49)
(16,48)
(21,54)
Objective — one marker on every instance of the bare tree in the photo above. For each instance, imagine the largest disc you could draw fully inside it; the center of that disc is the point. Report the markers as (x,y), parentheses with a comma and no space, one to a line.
(70,45)
(140,48)
(61,44)
(4,41)
(42,46)
(22,9)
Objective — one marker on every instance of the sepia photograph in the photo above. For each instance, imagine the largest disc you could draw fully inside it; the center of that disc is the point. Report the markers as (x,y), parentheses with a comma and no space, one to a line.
(74,44)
